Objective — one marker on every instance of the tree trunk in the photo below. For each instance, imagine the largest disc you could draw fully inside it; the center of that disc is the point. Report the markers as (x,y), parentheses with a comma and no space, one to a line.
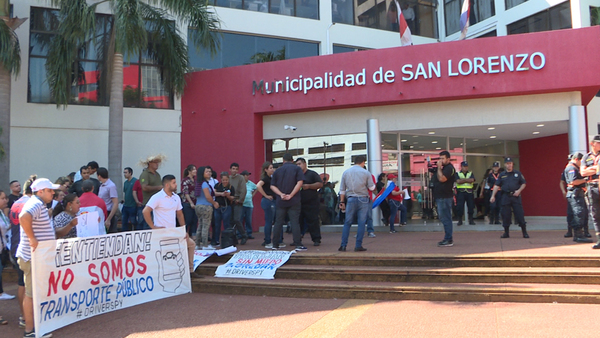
(115,125)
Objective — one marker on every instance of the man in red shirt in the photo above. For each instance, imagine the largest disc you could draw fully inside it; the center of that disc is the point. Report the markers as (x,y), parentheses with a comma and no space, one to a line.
(89,199)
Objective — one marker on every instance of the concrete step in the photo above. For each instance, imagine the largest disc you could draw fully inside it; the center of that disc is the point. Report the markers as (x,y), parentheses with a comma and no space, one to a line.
(511,292)
(418,274)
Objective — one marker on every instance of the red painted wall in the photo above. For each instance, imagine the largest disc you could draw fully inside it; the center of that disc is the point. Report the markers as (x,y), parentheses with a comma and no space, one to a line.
(222,119)
(541,162)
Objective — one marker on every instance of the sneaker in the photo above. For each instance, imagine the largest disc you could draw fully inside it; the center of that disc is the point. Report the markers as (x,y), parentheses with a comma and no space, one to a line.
(301,248)
(6,296)
(250,237)
(209,247)
(32,335)
(21,322)
(446,242)
(317,243)
(264,243)
(393,231)
(281,245)
(273,248)
(372,235)
(269,246)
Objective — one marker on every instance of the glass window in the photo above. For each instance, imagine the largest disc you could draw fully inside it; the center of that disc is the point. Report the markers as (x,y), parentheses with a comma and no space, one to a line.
(337,49)
(557,17)
(420,16)
(301,8)
(456,145)
(513,3)
(480,10)
(389,141)
(89,86)
(484,146)
(594,16)
(424,143)
(239,49)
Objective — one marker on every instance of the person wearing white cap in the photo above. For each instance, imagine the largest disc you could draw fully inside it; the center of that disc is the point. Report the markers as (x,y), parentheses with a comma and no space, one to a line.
(35,227)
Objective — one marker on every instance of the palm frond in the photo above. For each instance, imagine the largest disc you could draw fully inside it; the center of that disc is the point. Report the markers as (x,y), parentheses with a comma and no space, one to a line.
(130,30)
(77,24)
(204,23)
(10,49)
(167,47)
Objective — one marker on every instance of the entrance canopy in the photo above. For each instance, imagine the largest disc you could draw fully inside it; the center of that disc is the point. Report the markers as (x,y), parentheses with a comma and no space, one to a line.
(223,109)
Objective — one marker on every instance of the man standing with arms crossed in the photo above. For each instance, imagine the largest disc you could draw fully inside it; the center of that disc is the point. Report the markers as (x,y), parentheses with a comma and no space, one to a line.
(309,210)
(355,185)
(239,185)
(443,194)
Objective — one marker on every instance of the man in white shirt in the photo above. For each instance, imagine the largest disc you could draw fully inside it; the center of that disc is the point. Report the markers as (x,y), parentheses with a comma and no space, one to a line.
(160,212)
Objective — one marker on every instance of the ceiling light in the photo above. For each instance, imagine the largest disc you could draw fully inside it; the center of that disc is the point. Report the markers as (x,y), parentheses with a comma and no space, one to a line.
(421,147)
(493,136)
(475,140)
(412,147)
(434,142)
(540,125)
(491,128)
(415,142)
(461,144)
(536,132)
(403,140)
(438,148)
(432,133)
(415,135)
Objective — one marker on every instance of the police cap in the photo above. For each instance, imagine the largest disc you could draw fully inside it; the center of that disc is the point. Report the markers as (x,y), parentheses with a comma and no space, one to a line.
(576,156)
(596,138)
(496,164)
(464,164)
(508,159)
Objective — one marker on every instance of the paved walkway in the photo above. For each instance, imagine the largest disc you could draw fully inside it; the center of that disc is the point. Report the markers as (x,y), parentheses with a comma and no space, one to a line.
(207,315)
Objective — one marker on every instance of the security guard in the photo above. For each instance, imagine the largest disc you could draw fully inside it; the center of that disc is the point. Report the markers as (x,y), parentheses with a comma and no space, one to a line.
(576,197)
(464,192)
(589,169)
(494,213)
(563,189)
(512,184)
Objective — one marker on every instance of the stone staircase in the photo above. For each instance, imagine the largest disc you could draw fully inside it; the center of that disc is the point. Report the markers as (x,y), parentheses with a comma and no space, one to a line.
(484,278)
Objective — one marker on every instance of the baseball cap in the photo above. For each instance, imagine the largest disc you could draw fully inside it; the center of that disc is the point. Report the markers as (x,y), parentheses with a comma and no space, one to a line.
(245,172)
(43,183)
(596,138)
(508,159)
(392,176)
(496,164)
(464,163)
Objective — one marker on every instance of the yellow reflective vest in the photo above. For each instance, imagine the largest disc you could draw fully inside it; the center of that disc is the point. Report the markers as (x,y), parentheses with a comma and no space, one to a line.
(462,176)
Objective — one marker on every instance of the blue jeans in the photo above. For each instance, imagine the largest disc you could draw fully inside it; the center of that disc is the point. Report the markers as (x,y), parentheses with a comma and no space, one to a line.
(394,207)
(191,219)
(128,214)
(268,207)
(247,217)
(444,208)
(370,227)
(142,225)
(222,217)
(356,208)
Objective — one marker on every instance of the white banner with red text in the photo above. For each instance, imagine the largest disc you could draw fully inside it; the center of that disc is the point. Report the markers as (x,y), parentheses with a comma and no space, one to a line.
(78,278)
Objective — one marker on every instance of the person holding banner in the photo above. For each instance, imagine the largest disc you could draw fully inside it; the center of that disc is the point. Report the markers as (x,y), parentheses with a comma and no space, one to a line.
(35,227)
(160,212)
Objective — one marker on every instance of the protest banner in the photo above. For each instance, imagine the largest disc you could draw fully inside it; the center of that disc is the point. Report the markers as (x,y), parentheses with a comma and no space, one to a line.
(253,264)
(200,256)
(78,278)
(87,224)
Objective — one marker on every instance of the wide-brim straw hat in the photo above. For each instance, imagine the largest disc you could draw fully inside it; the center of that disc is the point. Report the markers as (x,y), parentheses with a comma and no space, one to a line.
(154,158)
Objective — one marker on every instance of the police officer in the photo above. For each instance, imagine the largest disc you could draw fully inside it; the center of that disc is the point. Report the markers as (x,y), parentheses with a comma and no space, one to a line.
(512,184)
(494,213)
(576,197)
(563,189)
(589,169)
(464,193)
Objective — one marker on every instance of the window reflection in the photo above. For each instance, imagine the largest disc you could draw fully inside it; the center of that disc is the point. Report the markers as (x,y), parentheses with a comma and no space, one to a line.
(480,10)
(301,8)
(557,17)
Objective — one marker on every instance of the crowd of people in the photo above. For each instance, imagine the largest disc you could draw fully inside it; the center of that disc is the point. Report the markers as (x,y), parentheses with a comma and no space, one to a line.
(216,209)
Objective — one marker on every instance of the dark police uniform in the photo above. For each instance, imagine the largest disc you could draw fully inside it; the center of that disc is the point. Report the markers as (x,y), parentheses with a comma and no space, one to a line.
(509,182)
(576,199)
(592,196)
(569,210)
(309,211)
(494,211)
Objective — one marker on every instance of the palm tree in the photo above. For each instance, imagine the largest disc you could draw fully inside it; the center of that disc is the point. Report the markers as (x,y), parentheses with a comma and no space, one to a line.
(137,27)
(261,57)
(10,64)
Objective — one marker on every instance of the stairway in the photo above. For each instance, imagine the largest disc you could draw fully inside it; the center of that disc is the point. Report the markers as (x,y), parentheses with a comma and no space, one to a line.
(484,278)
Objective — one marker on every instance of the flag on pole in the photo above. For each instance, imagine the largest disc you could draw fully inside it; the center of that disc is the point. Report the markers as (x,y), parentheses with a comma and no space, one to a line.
(405,36)
(464,19)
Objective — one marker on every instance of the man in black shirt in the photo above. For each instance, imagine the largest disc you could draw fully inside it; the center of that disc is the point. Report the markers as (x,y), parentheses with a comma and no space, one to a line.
(444,195)
(15,193)
(77,186)
(309,211)
(286,183)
